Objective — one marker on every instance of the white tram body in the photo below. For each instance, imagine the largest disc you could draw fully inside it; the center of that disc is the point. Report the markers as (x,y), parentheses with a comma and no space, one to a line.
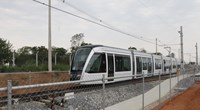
(91,62)
(166,65)
(174,65)
(157,63)
(143,63)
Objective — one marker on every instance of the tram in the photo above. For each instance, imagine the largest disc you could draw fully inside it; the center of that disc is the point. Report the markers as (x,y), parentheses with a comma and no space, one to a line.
(92,61)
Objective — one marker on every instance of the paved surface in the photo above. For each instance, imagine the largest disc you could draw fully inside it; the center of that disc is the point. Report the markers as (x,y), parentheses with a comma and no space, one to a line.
(151,96)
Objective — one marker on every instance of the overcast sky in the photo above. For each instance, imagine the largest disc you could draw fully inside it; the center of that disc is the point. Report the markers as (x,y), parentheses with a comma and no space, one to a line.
(25,23)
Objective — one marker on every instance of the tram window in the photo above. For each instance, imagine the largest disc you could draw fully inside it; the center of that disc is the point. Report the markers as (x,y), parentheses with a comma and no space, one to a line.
(157,63)
(97,63)
(122,63)
(139,64)
(149,65)
(167,65)
(80,58)
(174,64)
(144,62)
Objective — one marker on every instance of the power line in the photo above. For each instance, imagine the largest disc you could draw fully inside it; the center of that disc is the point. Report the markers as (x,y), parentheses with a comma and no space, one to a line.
(170,44)
(74,7)
(163,45)
(98,19)
(101,21)
(164,21)
(91,21)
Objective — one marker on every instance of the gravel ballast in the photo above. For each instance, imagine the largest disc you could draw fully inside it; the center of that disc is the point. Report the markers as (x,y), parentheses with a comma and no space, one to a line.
(92,100)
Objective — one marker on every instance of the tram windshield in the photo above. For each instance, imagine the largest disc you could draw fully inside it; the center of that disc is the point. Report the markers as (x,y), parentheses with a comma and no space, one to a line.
(80,59)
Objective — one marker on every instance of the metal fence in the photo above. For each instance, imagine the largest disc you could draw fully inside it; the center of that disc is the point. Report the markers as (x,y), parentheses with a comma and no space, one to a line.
(70,95)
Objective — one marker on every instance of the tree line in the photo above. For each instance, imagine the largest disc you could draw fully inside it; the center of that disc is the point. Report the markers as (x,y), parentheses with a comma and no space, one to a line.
(27,56)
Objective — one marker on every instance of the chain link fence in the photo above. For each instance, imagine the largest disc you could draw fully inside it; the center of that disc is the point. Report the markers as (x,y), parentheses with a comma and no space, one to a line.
(54,91)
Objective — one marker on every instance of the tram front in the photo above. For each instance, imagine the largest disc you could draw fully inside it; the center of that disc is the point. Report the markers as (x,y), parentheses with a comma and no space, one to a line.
(78,62)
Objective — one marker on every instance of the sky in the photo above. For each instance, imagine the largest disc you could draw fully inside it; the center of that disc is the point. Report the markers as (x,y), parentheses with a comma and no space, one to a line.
(25,23)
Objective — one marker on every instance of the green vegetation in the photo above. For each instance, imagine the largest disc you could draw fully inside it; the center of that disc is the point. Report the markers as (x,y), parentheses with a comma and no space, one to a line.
(77,41)
(27,56)
(5,51)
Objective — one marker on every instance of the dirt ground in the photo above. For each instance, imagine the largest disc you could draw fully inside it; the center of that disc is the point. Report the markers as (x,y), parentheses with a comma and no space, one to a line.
(29,78)
(188,100)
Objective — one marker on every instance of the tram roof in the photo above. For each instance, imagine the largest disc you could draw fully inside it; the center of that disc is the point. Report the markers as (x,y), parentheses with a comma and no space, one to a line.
(91,46)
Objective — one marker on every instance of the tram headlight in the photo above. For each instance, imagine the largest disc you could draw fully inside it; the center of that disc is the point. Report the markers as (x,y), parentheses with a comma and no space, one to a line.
(75,75)
(79,76)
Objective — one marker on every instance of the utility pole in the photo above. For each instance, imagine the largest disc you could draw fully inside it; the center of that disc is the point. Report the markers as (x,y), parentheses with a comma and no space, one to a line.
(181,36)
(13,58)
(70,62)
(156,46)
(49,40)
(179,54)
(36,59)
(196,54)
(55,58)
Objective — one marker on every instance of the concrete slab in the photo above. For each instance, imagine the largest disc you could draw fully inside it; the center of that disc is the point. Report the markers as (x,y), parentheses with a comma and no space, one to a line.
(151,96)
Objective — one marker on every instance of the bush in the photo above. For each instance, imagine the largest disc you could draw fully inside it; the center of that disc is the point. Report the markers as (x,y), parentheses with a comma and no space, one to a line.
(61,67)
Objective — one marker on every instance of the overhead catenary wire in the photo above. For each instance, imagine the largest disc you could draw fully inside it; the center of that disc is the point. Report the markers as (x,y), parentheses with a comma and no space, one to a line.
(105,25)
(98,19)
(102,21)
(164,21)
(163,45)
(91,21)
(170,44)
(89,15)
(76,8)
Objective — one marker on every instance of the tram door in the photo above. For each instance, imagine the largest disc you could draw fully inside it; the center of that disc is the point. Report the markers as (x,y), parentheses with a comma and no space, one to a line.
(110,66)
(144,65)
